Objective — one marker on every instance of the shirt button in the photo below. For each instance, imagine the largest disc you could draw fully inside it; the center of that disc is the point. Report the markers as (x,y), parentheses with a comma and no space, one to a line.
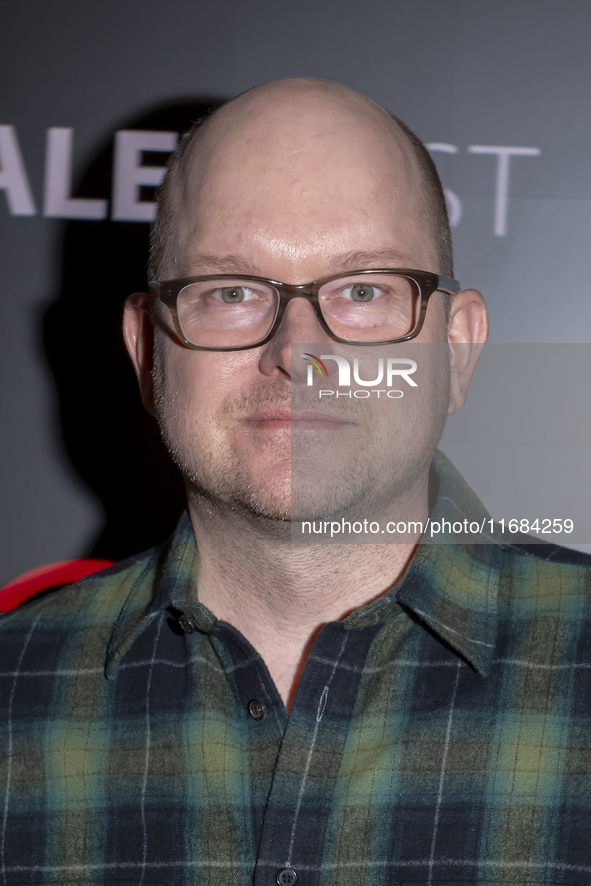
(258,711)
(286,877)
(187,623)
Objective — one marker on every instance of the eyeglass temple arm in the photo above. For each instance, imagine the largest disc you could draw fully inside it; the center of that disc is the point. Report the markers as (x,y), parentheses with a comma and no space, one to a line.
(448,284)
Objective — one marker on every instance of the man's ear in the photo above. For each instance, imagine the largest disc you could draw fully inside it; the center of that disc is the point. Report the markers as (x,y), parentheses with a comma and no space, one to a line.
(138,332)
(467,335)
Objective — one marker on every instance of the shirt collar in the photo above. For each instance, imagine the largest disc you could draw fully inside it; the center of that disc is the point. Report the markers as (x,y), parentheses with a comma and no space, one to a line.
(450,587)
(168,580)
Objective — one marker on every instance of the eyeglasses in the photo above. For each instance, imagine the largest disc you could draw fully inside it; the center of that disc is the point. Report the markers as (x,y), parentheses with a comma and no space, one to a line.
(221,312)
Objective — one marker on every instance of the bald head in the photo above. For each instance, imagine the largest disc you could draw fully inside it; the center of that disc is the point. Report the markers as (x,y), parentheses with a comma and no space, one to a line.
(292,163)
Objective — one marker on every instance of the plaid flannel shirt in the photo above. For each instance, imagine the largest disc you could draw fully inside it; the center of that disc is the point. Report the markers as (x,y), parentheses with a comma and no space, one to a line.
(439,735)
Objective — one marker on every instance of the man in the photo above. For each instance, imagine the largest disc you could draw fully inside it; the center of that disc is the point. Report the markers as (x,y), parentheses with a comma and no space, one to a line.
(275,713)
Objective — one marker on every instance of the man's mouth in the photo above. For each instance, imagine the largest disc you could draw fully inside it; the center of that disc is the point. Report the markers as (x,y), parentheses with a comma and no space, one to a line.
(296,419)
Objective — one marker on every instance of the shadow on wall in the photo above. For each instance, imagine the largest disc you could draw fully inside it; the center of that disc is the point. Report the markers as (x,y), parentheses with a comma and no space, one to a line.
(112,442)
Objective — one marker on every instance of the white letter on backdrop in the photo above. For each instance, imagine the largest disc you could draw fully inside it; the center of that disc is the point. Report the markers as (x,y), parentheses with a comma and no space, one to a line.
(129,174)
(58,180)
(502,186)
(13,177)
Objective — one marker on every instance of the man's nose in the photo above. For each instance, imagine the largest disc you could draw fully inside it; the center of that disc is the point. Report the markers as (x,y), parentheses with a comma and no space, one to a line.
(299,325)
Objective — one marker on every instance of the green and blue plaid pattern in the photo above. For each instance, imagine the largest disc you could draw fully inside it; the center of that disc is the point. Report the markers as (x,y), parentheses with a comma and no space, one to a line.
(440,735)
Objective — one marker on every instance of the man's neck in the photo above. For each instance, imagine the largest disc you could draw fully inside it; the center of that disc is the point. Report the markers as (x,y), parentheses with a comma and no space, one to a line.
(279,594)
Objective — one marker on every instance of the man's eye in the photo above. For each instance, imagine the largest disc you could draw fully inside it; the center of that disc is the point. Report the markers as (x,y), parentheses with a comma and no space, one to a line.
(234,295)
(361,292)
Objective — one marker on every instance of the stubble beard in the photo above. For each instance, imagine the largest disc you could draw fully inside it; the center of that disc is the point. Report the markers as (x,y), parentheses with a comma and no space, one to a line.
(310,486)
(221,483)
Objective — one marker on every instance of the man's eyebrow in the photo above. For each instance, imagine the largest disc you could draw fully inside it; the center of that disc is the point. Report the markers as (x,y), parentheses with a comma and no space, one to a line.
(223,264)
(347,261)
(350,261)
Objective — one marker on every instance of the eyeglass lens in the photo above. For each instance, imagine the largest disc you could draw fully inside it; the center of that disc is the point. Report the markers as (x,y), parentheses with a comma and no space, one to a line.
(237,313)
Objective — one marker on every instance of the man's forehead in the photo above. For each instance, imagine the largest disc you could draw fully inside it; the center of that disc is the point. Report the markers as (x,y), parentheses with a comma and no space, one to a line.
(301,170)
(203,263)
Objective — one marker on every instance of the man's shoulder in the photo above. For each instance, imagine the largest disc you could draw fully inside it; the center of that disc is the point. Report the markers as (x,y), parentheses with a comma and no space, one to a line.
(98,598)
(529,547)
(546,571)
(69,631)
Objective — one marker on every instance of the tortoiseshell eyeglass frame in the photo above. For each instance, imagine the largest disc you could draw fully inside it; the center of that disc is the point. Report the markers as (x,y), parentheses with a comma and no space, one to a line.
(427,282)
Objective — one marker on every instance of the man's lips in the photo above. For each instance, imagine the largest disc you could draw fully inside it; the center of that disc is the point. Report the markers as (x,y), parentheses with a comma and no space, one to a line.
(288,418)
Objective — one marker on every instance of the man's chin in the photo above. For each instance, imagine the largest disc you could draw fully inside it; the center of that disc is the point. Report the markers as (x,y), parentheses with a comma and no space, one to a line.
(277,506)
(247,499)
(306,502)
